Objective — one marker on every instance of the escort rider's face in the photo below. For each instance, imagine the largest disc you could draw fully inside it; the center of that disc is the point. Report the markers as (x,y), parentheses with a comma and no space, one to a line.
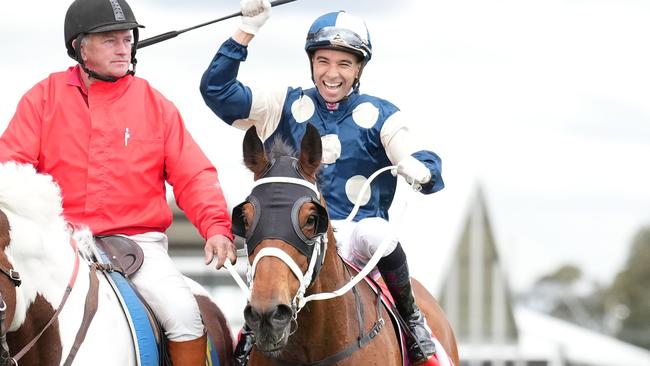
(108,53)
(334,73)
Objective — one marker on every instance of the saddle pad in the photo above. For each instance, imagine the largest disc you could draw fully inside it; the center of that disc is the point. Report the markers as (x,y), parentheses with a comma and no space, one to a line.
(136,314)
(211,357)
(389,302)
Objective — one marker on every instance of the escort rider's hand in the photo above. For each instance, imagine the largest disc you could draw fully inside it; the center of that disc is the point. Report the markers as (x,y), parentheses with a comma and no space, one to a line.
(254,15)
(220,247)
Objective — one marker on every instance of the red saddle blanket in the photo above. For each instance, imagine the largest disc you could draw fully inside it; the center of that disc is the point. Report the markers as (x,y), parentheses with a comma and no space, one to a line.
(378,285)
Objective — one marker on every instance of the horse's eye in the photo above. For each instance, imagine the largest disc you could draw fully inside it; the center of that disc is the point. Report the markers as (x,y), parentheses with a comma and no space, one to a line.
(243,218)
(309,229)
(311,221)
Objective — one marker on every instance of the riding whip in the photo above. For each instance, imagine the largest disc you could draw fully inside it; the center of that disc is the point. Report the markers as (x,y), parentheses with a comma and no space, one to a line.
(172,34)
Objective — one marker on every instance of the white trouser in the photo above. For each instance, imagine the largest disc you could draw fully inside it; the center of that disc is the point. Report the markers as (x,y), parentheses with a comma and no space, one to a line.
(358,241)
(164,288)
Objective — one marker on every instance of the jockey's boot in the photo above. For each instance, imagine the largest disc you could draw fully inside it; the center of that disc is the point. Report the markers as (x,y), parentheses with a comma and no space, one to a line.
(244,346)
(189,353)
(394,270)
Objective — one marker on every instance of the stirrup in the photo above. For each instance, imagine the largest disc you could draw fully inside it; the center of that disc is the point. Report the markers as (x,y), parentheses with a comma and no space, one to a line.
(420,345)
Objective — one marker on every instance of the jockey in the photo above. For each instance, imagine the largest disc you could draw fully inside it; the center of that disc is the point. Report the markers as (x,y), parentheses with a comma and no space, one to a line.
(111,141)
(360,134)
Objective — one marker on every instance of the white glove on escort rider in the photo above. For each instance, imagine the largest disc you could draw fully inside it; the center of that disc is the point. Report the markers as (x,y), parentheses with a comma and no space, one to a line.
(413,170)
(254,15)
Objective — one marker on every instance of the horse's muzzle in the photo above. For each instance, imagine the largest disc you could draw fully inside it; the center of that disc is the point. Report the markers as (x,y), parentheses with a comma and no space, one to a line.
(271,327)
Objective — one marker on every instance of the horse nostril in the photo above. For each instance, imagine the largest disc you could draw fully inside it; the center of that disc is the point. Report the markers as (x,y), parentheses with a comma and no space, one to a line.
(252,317)
(281,316)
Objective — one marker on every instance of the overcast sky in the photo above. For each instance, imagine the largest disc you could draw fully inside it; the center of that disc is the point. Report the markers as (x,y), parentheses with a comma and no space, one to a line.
(545,103)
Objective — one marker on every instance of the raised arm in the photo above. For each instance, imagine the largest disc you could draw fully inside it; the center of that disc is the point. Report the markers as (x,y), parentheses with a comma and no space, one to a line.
(414,162)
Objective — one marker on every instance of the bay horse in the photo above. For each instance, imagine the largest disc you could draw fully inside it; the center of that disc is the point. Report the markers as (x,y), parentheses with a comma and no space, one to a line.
(291,253)
(42,271)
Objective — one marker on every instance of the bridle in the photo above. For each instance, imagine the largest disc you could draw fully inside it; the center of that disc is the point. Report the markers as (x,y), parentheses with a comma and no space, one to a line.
(300,300)
(281,192)
(5,355)
(13,276)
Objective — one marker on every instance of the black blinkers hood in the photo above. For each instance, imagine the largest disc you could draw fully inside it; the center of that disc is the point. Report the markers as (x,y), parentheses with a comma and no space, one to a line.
(275,203)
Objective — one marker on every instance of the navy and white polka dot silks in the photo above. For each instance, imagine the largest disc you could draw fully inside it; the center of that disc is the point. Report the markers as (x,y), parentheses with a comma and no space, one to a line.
(360,135)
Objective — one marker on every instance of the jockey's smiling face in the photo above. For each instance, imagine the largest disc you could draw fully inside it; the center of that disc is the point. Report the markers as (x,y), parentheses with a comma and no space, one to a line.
(108,53)
(334,73)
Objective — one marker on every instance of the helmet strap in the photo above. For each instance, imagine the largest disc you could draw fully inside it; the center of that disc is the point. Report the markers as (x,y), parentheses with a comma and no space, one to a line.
(134,48)
(357,81)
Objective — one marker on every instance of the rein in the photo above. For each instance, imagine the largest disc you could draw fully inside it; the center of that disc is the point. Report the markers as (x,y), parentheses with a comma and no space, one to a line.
(68,289)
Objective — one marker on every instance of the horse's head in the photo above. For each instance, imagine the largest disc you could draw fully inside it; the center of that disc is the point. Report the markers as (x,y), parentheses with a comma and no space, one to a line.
(8,282)
(285,225)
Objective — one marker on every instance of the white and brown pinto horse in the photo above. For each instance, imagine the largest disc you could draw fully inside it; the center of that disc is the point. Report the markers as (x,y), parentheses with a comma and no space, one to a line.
(37,246)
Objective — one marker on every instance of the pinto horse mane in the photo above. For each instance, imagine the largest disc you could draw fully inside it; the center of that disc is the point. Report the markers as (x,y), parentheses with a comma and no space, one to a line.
(39,235)
(26,193)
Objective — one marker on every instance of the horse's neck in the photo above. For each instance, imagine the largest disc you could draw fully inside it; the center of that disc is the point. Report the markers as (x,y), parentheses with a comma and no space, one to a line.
(43,257)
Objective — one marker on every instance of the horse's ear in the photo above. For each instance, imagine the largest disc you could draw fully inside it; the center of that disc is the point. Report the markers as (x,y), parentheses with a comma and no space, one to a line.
(254,157)
(311,151)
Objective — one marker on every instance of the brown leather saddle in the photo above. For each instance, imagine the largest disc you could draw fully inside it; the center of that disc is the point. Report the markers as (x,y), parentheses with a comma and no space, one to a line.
(125,255)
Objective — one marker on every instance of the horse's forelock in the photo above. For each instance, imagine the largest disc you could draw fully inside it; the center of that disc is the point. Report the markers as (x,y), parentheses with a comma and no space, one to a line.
(280,148)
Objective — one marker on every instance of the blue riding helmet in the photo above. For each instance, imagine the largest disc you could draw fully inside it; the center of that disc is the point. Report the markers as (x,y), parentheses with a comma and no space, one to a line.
(340,31)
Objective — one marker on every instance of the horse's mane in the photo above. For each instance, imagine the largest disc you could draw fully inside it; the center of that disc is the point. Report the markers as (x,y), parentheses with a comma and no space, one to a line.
(27,193)
(39,234)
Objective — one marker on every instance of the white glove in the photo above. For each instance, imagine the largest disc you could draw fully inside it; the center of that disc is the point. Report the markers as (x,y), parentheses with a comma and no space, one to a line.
(254,15)
(413,170)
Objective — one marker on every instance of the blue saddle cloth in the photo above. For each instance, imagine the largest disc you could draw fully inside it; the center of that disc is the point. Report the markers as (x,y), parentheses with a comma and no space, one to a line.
(143,332)
(141,326)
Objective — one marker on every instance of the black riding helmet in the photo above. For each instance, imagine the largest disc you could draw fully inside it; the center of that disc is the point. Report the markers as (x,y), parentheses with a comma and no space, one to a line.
(95,16)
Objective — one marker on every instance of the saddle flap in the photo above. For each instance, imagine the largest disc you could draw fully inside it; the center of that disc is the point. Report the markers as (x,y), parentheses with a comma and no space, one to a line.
(124,254)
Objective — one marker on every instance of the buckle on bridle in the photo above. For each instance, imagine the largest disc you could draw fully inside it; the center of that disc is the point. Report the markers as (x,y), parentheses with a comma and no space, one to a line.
(14,276)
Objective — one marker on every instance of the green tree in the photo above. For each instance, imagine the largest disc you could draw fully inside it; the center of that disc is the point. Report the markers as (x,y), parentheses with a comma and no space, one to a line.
(566,274)
(632,289)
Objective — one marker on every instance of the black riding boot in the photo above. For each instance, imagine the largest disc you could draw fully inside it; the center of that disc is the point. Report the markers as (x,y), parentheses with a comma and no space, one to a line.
(244,346)
(394,269)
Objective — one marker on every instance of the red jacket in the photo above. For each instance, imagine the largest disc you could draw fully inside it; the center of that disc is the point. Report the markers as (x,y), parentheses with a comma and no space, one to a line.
(112,155)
